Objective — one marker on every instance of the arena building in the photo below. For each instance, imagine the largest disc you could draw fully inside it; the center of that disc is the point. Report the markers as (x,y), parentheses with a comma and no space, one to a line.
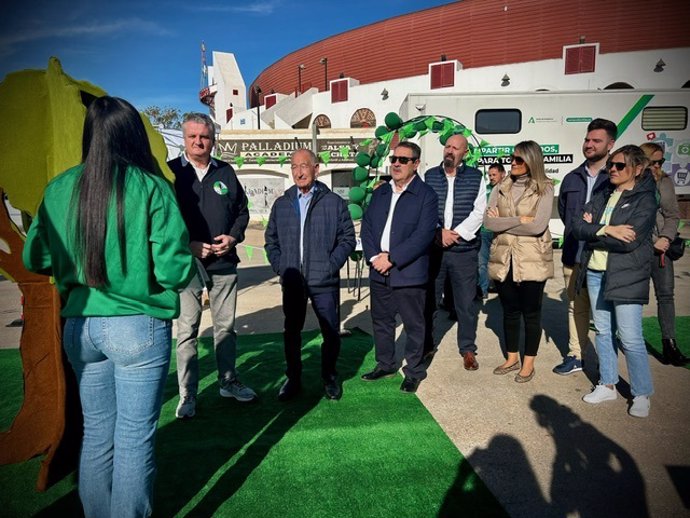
(510,70)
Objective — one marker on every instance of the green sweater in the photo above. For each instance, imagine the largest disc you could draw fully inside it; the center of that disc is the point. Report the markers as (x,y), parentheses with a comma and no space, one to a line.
(158,258)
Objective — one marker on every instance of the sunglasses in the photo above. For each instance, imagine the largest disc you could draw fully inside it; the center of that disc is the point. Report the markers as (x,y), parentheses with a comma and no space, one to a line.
(618,165)
(517,159)
(402,159)
(658,162)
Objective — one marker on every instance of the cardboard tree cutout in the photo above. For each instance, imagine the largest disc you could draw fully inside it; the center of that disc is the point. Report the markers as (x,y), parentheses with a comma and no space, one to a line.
(43,113)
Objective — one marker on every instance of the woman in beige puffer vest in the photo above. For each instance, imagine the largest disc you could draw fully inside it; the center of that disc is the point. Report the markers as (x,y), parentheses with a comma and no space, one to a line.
(521,259)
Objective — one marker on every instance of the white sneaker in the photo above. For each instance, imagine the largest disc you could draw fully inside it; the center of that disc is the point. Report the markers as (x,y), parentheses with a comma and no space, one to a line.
(600,394)
(237,390)
(639,407)
(186,408)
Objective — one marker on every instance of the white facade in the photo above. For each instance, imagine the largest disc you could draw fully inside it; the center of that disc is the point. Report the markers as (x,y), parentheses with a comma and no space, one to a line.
(226,80)
(292,117)
(633,68)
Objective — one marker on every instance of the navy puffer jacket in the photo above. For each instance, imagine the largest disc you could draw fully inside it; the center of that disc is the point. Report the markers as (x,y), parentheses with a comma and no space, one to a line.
(329,238)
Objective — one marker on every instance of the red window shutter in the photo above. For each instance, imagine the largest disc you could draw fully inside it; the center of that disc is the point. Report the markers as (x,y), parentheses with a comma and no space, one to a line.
(581,59)
(228,114)
(587,58)
(572,60)
(436,78)
(269,101)
(339,90)
(442,75)
(448,74)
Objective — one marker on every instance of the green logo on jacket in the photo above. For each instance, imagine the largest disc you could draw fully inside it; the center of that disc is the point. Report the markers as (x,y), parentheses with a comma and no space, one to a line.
(220,188)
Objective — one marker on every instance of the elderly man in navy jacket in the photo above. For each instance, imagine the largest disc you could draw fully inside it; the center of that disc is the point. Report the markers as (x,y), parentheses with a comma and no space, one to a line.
(308,239)
(397,231)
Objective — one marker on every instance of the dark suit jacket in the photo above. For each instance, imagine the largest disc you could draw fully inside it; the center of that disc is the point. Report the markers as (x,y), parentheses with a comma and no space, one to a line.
(412,231)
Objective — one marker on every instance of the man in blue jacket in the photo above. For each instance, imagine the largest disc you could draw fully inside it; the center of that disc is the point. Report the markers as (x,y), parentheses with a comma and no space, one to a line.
(397,231)
(577,188)
(308,239)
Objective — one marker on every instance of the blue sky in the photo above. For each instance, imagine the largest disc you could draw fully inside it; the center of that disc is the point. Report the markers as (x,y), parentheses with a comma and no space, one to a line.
(149,52)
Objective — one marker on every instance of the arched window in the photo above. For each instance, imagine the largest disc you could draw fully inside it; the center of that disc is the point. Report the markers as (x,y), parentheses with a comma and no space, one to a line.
(322,121)
(363,118)
(618,86)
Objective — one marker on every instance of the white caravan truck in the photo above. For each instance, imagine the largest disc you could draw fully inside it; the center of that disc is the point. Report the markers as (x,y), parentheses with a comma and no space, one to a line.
(558,122)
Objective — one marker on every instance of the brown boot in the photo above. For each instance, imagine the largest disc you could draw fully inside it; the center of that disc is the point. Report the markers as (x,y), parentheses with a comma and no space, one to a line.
(672,354)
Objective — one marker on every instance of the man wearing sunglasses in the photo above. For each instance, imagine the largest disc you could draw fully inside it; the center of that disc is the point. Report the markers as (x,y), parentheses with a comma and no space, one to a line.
(461,204)
(577,188)
(397,229)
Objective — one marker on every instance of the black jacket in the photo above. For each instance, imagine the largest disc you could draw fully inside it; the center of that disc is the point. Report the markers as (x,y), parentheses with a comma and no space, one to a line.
(628,266)
(571,198)
(329,238)
(217,205)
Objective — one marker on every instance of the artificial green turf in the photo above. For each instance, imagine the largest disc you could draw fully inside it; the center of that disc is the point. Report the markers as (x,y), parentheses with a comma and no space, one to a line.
(652,335)
(376,452)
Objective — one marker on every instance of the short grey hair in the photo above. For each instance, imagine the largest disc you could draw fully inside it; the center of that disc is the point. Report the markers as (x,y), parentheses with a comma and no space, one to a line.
(201,118)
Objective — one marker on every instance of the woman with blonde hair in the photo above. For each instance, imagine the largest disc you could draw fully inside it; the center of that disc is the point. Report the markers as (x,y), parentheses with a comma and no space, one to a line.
(616,226)
(665,230)
(521,257)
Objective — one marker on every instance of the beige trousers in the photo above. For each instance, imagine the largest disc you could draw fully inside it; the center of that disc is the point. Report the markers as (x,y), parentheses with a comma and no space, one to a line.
(578,312)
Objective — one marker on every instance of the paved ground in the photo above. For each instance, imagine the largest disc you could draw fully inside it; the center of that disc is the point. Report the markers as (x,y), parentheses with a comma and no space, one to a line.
(539,448)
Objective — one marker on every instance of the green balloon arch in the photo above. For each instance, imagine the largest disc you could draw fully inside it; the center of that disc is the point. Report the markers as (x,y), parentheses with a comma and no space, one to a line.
(374,151)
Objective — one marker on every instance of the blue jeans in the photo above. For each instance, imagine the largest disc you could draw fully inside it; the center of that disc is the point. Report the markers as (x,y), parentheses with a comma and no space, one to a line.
(121,365)
(484,251)
(618,323)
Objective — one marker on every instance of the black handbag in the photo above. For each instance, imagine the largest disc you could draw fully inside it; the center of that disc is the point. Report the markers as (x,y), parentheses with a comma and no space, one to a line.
(676,249)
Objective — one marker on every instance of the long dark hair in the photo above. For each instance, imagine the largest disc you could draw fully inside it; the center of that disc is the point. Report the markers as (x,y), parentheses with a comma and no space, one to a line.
(114,138)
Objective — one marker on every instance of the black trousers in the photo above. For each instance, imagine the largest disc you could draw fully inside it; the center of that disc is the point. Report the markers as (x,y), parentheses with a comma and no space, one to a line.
(326,307)
(408,302)
(521,301)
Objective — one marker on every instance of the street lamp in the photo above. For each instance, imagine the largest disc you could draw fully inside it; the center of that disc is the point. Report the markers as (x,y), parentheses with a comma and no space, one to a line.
(300,67)
(324,62)
(257,91)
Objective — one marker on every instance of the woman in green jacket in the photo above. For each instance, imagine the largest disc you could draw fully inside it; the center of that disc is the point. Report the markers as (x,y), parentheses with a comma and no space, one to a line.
(110,232)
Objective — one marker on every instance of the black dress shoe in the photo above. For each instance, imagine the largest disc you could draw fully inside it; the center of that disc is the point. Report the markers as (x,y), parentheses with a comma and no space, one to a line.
(378,373)
(289,390)
(333,389)
(409,385)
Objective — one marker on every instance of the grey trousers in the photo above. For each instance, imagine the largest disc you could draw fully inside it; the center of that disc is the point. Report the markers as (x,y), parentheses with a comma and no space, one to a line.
(222,294)
(664,280)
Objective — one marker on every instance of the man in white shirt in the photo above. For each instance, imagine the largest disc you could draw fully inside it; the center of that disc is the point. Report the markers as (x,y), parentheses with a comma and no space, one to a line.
(397,231)
(461,204)
(214,206)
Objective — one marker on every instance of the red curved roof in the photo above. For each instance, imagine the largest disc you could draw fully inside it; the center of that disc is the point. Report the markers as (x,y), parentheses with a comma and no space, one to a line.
(481,33)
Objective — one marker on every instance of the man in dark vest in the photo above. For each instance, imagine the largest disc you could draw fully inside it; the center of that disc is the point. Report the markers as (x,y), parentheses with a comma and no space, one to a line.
(461,204)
